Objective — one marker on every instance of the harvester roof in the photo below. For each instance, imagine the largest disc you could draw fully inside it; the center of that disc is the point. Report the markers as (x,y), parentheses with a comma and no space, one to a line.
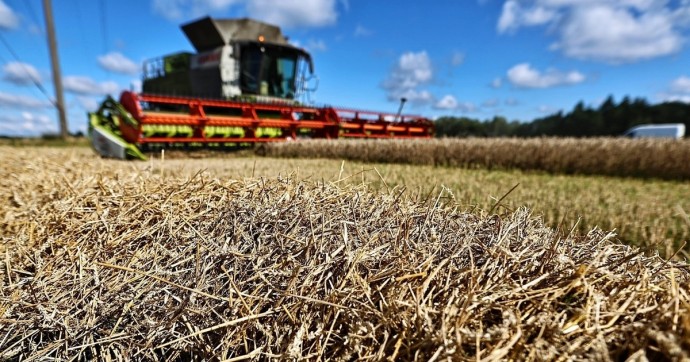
(208,34)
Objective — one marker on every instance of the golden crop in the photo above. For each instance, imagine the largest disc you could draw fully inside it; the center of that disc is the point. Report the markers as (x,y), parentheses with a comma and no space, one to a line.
(209,260)
(650,158)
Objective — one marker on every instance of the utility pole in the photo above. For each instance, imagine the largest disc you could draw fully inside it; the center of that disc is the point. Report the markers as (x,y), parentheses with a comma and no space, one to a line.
(55,65)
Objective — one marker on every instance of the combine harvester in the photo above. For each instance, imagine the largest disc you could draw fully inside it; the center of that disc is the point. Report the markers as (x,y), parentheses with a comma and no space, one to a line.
(240,88)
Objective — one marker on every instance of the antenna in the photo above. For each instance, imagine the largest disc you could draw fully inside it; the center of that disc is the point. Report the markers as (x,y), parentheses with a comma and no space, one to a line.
(402,103)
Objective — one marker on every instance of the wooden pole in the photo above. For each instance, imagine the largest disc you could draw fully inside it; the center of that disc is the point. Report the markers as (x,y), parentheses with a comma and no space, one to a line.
(55,65)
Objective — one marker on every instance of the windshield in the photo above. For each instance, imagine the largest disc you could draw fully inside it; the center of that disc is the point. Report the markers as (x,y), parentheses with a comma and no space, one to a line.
(269,70)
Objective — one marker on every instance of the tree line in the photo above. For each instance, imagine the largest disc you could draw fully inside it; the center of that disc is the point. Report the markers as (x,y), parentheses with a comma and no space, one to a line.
(609,119)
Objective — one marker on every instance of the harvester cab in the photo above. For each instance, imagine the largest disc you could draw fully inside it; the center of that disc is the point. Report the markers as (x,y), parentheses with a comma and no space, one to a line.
(241,87)
(236,59)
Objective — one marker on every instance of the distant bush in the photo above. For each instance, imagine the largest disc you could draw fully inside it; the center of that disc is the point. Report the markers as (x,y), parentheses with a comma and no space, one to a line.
(50,136)
(609,119)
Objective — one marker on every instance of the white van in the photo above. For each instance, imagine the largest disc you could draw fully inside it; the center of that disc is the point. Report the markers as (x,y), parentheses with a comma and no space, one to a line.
(666,130)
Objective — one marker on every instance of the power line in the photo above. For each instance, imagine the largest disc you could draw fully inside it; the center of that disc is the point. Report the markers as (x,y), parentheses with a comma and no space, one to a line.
(32,12)
(82,30)
(26,69)
(104,28)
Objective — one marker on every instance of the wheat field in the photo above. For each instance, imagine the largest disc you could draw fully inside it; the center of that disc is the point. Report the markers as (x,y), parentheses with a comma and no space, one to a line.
(651,213)
(647,158)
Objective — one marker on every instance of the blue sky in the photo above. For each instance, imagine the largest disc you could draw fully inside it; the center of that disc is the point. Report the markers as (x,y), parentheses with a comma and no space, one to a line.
(520,59)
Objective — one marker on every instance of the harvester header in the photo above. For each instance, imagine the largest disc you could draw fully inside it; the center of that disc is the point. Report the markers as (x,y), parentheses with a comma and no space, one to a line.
(241,87)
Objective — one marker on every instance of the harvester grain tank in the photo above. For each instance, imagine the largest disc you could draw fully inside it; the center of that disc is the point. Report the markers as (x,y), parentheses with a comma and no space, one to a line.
(242,86)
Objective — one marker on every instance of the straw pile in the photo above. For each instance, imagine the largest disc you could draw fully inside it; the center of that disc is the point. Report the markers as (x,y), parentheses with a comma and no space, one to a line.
(121,265)
(657,158)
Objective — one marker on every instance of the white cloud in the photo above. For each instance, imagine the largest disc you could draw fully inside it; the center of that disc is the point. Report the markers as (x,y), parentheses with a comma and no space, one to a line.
(36,119)
(19,101)
(613,31)
(635,4)
(87,86)
(496,83)
(175,10)
(617,35)
(8,18)
(681,85)
(457,58)
(312,45)
(169,9)
(219,4)
(683,98)
(678,91)
(20,73)
(467,107)
(26,124)
(88,103)
(118,63)
(546,109)
(285,13)
(316,45)
(345,4)
(510,17)
(682,15)
(294,13)
(512,102)
(514,16)
(448,102)
(412,71)
(414,96)
(524,76)
(136,85)
(362,31)
(490,103)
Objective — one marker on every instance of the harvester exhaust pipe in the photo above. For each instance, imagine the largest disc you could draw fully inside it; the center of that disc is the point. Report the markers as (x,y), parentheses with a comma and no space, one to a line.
(402,103)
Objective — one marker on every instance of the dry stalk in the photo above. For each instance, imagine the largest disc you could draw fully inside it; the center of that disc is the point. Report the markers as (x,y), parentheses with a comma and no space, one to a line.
(129,265)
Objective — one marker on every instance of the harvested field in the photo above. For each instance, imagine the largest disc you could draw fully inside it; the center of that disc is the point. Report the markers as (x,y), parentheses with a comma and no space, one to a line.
(650,213)
(645,212)
(115,260)
(649,158)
